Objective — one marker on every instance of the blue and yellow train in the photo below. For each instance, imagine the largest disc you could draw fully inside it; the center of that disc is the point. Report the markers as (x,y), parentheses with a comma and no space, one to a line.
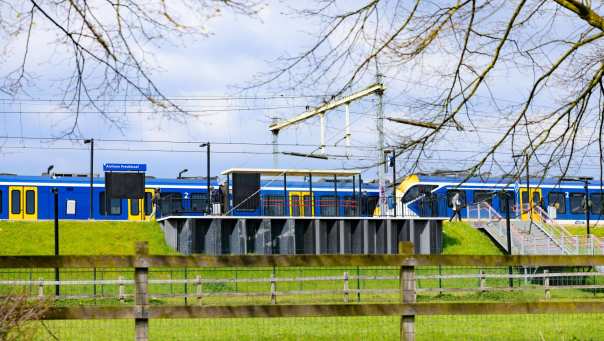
(562,200)
(31,198)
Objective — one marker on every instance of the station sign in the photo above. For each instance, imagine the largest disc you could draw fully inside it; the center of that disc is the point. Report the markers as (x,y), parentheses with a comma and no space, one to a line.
(125,167)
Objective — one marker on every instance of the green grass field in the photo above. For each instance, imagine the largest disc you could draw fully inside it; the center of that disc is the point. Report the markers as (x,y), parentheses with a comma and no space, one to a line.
(79,238)
(471,327)
(119,238)
(581,230)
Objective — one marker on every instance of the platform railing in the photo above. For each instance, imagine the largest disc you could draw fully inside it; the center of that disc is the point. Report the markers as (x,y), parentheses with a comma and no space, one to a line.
(272,205)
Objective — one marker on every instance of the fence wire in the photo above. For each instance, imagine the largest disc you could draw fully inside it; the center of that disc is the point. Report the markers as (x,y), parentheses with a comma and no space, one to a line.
(299,285)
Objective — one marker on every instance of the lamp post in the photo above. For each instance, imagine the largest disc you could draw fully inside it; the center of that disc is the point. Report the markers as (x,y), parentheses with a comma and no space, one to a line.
(91,142)
(508,228)
(49,169)
(55,193)
(207,145)
(181,173)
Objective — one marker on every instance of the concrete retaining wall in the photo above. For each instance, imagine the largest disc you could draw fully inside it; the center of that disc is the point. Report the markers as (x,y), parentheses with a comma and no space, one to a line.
(296,235)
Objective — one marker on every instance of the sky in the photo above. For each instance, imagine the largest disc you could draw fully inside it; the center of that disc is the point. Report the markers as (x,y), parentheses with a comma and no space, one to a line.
(205,76)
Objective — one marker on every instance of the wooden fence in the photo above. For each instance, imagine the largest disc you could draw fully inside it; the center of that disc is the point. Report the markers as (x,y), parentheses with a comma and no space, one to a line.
(408,308)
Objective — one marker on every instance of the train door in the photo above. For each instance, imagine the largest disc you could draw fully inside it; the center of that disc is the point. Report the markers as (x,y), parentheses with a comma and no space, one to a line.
(23,203)
(141,209)
(300,204)
(529,207)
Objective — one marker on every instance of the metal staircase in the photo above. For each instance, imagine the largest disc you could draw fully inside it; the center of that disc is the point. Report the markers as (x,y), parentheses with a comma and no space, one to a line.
(539,236)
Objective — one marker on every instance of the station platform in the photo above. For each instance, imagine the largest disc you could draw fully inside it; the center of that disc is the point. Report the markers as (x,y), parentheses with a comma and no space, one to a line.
(267,235)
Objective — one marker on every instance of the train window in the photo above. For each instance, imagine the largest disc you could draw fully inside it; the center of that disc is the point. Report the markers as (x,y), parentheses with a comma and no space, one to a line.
(370,205)
(512,199)
(109,206)
(415,191)
(148,203)
(272,205)
(328,206)
(134,209)
(30,202)
(15,195)
(557,200)
(524,198)
(115,206)
(349,206)
(462,197)
(171,202)
(577,201)
(483,196)
(307,202)
(294,204)
(597,203)
(199,202)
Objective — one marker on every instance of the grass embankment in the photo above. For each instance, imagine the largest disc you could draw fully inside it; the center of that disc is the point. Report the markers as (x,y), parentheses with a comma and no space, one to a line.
(113,238)
(459,238)
(581,230)
(79,238)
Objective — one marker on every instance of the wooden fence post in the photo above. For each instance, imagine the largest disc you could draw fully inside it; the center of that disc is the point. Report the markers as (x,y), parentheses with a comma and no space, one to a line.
(41,289)
(407,287)
(546,284)
(273,289)
(198,288)
(141,280)
(483,282)
(120,294)
(345,287)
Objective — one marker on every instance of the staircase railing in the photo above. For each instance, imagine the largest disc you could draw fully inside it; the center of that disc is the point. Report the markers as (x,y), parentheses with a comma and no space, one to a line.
(576,245)
(486,217)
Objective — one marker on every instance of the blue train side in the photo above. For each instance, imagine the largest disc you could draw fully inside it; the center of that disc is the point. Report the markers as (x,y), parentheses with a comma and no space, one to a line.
(31,198)
(563,200)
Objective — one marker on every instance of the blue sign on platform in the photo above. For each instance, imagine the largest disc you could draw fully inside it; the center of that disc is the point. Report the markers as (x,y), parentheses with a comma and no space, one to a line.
(125,167)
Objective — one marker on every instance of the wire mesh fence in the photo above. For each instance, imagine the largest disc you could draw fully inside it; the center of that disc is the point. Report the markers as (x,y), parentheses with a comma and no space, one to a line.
(291,285)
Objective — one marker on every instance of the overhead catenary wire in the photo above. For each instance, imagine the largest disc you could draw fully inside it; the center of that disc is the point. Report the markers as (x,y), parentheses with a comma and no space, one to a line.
(42,138)
(227,143)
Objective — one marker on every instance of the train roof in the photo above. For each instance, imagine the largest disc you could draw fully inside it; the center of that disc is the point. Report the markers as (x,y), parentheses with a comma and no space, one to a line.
(42,180)
(554,182)
(292,172)
(36,180)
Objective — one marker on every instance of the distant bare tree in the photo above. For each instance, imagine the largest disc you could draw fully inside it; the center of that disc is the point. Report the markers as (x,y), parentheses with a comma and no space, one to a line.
(556,44)
(107,44)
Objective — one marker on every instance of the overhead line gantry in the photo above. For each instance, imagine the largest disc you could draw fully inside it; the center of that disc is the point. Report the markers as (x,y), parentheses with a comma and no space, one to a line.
(276,127)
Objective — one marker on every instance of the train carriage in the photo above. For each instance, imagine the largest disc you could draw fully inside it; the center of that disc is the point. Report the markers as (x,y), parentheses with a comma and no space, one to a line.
(563,201)
(31,198)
